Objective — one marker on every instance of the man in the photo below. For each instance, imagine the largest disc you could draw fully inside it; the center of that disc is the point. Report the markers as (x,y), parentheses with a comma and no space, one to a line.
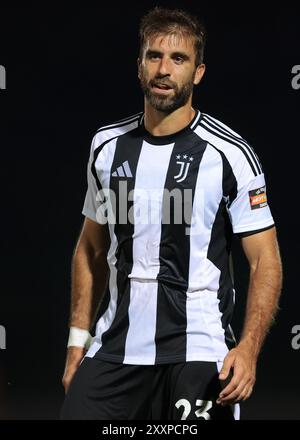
(167,188)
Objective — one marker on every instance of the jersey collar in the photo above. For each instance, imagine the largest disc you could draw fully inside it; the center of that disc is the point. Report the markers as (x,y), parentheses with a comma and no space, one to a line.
(170,138)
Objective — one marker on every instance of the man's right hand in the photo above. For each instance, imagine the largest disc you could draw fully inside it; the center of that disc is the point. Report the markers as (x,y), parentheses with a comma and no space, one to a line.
(74,357)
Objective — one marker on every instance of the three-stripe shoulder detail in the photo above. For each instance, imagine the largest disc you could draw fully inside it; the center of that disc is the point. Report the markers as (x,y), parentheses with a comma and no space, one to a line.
(224,133)
(98,149)
(121,122)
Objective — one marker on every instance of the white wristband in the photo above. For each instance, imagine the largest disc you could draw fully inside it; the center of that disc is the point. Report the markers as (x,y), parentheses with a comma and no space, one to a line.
(79,337)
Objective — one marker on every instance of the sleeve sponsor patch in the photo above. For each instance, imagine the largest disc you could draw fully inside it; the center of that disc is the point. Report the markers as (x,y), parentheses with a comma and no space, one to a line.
(258,198)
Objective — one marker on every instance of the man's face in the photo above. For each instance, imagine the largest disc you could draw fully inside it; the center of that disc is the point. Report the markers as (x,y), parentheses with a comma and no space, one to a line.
(167,71)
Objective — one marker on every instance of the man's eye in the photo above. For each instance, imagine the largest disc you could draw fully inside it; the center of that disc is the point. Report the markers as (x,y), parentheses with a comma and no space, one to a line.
(178,59)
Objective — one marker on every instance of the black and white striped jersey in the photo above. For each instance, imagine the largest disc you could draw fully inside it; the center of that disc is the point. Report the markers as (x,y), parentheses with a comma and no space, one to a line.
(172,204)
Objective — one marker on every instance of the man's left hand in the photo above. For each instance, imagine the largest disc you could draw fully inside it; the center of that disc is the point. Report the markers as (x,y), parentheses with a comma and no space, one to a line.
(242,363)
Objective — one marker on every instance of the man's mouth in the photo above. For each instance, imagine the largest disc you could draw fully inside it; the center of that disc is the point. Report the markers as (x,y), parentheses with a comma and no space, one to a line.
(161,88)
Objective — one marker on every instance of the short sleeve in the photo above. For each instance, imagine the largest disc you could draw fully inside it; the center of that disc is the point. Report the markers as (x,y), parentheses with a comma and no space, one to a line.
(249,211)
(93,204)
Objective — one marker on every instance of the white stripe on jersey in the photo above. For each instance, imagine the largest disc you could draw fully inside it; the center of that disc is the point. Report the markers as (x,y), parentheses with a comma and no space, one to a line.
(203,274)
(146,237)
(204,213)
(140,341)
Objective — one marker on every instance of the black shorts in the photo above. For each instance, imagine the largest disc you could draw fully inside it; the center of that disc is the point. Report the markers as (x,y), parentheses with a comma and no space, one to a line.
(103,390)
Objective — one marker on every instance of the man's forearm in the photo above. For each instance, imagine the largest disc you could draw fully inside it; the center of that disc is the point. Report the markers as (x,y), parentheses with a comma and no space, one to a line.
(262,304)
(89,274)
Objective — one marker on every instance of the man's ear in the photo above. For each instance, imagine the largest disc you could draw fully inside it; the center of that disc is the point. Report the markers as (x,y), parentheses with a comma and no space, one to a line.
(199,73)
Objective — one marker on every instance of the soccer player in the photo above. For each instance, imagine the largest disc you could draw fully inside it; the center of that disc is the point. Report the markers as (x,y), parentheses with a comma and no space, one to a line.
(167,189)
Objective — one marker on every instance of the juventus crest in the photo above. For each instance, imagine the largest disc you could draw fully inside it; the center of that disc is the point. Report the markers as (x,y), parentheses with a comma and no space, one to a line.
(184,163)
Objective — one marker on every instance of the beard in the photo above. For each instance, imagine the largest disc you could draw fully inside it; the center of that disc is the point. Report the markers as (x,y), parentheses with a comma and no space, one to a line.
(166,103)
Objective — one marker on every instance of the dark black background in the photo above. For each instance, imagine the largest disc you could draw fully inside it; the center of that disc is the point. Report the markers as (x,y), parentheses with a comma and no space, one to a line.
(71,71)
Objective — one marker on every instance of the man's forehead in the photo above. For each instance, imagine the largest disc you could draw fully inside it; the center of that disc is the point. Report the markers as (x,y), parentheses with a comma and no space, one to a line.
(170,42)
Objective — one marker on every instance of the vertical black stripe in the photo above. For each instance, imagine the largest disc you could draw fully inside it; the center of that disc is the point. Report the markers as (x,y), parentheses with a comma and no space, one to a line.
(175,253)
(218,253)
(229,182)
(128,147)
(220,247)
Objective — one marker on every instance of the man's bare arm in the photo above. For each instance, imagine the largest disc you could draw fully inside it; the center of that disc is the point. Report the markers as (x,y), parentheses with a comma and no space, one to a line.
(89,275)
(265,285)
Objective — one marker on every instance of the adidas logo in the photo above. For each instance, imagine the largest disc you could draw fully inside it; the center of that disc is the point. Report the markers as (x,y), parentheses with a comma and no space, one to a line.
(123,170)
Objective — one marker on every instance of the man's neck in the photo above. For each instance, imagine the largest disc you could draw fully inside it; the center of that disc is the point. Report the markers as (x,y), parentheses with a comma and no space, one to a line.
(162,124)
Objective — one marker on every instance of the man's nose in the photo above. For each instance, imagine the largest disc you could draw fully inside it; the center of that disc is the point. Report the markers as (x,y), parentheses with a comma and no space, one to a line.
(164,66)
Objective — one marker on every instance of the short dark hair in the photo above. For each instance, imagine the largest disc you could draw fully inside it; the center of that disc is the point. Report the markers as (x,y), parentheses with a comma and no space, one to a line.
(173,21)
